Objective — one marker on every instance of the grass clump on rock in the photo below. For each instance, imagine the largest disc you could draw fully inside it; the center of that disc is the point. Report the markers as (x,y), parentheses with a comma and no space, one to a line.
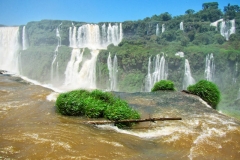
(95,104)
(207,90)
(163,85)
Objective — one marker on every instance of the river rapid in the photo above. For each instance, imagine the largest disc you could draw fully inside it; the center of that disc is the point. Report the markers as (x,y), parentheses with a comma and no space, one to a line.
(32,129)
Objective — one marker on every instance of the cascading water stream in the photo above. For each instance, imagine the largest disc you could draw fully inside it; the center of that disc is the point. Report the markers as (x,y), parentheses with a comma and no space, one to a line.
(93,37)
(188,79)
(157,30)
(55,56)
(160,72)
(163,28)
(89,36)
(8,49)
(24,39)
(181,26)
(112,68)
(227,28)
(209,68)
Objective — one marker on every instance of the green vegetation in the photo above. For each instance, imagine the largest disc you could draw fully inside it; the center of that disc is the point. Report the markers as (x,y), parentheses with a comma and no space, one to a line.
(208,91)
(140,42)
(95,104)
(163,85)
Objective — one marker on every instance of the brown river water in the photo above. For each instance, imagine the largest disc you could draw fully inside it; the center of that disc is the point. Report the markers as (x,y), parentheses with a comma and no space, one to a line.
(30,128)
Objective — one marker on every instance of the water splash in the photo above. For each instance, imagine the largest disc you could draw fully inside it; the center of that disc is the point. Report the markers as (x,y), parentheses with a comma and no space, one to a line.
(24,39)
(8,49)
(112,68)
(188,79)
(209,68)
(181,26)
(160,72)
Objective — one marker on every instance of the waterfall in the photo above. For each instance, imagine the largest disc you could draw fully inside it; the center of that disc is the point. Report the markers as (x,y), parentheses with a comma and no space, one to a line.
(8,48)
(160,72)
(163,28)
(54,59)
(104,34)
(56,54)
(112,68)
(24,39)
(79,73)
(227,28)
(188,79)
(148,83)
(209,68)
(181,26)
(71,73)
(20,64)
(89,36)
(157,30)
(215,24)
(121,33)
(95,37)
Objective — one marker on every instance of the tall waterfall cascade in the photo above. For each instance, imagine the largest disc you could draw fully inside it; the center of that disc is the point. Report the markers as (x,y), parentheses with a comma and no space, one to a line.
(160,71)
(94,36)
(209,68)
(226,27)
(24,39)
(181,26)
(113,72)
(9,47)
(56,76)
(84,75)
(163,28)
(188,79)
(157,30)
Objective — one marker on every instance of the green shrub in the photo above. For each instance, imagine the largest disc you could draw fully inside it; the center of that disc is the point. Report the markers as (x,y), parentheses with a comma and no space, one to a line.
(72,103)
(120,111)
(95,104)
(163,85)
(208,91)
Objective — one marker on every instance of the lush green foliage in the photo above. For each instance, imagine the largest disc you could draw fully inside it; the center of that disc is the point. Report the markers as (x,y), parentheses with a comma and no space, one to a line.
(163,85)
(120,111)
(207,90)
(95,104)
(140,41)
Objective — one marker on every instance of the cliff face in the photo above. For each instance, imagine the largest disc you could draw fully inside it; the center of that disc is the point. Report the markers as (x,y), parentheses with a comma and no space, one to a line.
(140,41)
(137,44)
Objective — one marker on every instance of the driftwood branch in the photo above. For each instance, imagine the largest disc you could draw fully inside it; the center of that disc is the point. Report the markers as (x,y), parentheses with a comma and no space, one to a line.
(133,120)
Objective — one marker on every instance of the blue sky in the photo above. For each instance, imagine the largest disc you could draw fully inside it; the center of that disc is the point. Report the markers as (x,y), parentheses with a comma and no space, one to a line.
(19,12)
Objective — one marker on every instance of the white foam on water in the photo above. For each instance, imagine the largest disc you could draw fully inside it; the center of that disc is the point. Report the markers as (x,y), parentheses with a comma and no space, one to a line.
(52,96)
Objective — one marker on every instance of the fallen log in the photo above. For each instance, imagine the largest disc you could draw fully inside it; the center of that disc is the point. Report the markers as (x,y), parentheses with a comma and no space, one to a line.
(132,120)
